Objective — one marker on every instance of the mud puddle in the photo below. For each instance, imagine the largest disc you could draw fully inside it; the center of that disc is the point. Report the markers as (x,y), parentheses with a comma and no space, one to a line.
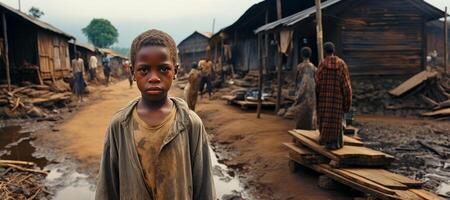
(63,181)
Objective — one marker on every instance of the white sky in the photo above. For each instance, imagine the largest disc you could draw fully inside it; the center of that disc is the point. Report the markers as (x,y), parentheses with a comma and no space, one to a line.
(177,17)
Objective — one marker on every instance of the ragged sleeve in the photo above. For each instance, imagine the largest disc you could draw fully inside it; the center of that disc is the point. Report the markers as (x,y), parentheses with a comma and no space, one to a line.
(108,178)
(346,88)
(203,184)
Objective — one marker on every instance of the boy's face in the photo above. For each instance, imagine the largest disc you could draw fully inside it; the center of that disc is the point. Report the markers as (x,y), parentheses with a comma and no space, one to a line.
(154,72)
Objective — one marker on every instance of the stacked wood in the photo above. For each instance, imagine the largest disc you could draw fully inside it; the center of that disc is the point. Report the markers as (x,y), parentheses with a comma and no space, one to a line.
(20,180)
(354,165)
(28,101)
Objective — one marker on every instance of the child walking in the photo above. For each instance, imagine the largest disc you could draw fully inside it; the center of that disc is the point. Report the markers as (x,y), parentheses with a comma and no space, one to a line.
(155,148)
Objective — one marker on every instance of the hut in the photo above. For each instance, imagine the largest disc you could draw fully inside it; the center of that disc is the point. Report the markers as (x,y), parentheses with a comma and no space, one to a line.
(435,39)
(116,61)
(86,51)
(31,49)
(237,44)
(192,49)
(375,37)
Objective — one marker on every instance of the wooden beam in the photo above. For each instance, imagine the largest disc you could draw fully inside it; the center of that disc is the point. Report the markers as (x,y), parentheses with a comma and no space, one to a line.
(260,78)
(319,30)
(280,62)
(5,34)
(446,40)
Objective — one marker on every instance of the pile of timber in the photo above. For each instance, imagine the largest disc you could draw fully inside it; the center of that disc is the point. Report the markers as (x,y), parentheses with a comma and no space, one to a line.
(30,100)
(21,180)
(432,87)
(354,165)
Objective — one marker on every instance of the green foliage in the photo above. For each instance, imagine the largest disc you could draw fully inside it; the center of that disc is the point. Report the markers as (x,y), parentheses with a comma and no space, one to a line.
(122,50)
(35,12)
(101,33)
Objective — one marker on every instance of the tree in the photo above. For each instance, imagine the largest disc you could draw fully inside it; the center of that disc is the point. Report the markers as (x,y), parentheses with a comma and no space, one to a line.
(35,12)
(101,33)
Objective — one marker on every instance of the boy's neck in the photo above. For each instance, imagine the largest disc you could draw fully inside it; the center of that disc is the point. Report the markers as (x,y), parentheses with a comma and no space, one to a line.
(154,105)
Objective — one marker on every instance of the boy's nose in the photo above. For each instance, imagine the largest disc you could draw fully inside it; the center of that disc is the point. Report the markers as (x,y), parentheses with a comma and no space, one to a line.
(154,78)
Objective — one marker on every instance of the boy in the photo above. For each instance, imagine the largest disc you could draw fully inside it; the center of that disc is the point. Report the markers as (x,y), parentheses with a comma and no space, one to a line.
(155,148)
(334,97)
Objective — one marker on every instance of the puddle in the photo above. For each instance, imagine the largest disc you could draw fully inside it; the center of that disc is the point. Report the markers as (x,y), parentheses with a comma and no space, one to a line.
(225,183)
(75,185)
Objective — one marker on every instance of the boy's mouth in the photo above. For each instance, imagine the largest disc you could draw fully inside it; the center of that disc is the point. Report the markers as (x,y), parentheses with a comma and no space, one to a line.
(154,90)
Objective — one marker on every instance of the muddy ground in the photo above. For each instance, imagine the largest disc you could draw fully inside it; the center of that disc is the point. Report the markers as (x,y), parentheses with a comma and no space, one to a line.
(250,159)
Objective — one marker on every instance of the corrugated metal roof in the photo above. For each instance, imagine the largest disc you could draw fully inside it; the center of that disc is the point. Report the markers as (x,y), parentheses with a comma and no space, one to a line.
(111,53)
(433,13)
(293,19)
(89,47)
(35,21)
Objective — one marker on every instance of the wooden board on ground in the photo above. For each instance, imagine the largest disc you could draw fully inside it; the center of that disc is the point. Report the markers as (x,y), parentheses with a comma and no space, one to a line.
(228,98)
(441,112)
(341,179)
(375,174)
(412,82)
(348,155)
(314,135)
(251,104)
(425,194)
(377,178)
(306,154)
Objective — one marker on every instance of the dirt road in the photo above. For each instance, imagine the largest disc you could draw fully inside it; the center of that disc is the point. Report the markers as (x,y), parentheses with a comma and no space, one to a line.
(250,146)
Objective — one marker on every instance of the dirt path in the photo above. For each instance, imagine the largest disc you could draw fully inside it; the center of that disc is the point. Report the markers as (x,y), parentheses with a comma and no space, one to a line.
(246,144)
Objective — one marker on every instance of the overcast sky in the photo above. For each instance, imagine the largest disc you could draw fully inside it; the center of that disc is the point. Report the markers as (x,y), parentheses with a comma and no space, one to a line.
(177,17)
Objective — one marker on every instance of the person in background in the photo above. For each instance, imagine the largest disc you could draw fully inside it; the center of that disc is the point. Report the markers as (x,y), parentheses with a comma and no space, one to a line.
(191,89)
(93,63)
(128,71)
(78,71)
(205,67)
(106,68)
(334,97)
(304,108)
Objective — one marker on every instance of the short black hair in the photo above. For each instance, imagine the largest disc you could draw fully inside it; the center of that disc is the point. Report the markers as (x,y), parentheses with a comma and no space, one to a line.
(154,37)
(329,48)
(306,52)
(194,65)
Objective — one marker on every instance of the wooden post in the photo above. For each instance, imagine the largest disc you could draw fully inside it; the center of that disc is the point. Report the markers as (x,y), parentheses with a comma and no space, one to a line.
(319,30)
(5,34)
(446,41)
(280,63)
(260,78)
(263,63)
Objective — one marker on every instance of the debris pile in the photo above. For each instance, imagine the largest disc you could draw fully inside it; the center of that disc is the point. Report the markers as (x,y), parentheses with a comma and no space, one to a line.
(31,100)
(354,165)
(19,180)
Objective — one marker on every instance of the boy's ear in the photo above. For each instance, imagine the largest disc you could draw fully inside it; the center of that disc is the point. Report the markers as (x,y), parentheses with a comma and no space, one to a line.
(176,72)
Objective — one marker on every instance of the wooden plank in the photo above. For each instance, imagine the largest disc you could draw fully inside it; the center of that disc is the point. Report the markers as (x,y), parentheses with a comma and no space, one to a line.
(382,180)
(412,82)
(425,194)
(405,194)
(306,154)
(346,181)
(348,155)
(315,135)
(411,183)
(445,111)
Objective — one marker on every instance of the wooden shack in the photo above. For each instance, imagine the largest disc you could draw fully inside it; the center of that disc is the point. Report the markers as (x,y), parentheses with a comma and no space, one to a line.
(375,37)
(237,44)
(435,39)
(33,50)
(116,61)
(86,51)
(193,49)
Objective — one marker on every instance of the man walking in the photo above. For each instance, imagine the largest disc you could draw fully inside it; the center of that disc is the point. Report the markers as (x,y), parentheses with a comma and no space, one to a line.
(334,97)
(93,62)
(106,68)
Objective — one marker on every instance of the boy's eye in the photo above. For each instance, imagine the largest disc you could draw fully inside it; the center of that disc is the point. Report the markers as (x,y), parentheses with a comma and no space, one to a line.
(164,69)
(143,70)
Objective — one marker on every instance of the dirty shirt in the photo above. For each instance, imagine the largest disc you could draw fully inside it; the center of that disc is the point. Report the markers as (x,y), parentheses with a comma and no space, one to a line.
(183,165)
(334,98)
(77,65)
(148,140)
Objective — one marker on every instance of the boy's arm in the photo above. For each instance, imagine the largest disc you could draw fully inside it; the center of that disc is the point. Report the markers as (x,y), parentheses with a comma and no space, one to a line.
(108,178)
(203,184)
(346,88)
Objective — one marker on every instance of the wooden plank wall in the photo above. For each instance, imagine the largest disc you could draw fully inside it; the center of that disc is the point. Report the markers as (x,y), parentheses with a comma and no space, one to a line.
(53,56)
(192,50)
(383,37)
